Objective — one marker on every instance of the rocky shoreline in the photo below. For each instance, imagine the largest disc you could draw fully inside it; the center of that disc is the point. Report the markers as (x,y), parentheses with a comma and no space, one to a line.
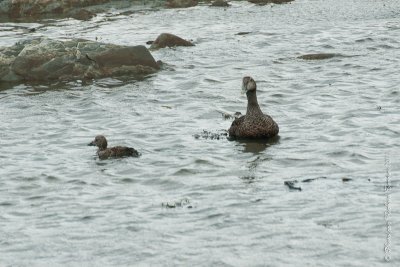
(44,59)
(33,10)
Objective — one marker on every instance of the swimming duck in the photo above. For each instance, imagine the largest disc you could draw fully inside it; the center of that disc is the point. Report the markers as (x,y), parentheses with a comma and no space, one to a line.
(115,152)
(255,124)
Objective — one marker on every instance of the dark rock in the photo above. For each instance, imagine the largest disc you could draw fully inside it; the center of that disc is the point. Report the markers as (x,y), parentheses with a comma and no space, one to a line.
(264,2)
(169,40)
(319,56)
(45,59)
(181,3)
(346,179)
(312,179)
(220,3)
(291,185)
(243,33)
(82,14)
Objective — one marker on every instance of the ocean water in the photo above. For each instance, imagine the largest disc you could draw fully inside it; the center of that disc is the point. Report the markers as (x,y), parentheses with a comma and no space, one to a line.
(204,201)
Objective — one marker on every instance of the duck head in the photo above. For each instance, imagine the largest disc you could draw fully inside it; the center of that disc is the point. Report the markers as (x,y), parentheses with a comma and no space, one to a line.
(100,141)
(248,84)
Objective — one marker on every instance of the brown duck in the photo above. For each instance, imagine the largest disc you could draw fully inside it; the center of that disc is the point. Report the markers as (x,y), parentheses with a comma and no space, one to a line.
(114,152)
(255,124)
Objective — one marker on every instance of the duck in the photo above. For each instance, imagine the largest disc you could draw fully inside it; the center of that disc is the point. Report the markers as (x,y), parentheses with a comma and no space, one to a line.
(113,152)
(255,124)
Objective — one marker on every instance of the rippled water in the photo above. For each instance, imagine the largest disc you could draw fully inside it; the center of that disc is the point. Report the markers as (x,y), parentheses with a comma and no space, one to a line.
(338,118)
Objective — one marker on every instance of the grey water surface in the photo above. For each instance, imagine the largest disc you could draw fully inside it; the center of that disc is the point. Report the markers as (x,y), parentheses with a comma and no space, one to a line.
(203,201)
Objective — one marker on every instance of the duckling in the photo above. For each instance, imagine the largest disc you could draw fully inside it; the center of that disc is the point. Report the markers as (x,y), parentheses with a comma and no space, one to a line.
(115,152)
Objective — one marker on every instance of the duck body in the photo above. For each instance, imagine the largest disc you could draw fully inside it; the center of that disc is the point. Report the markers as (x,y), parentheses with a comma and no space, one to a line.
(113,152)
(255,124)
(117,152)
(260,127)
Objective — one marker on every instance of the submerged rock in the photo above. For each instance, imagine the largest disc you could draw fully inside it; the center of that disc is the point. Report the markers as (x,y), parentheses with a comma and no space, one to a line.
(264,2)
(45,59)
(181,3)
(312,179)
(169,40)
(243,33)
(319,56)
(291,185)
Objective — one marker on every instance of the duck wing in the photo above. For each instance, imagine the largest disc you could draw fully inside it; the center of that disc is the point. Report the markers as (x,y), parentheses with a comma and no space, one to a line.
(236,126)
(271,128)
(123,151)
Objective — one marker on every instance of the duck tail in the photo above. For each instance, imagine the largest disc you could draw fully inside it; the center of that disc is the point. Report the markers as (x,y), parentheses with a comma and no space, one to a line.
(133,152)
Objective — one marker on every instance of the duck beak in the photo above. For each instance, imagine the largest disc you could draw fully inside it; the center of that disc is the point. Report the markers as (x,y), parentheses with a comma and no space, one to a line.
(92,144)
(244,90)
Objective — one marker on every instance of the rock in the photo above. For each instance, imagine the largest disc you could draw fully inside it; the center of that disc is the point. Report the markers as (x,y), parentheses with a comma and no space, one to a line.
(220,3)
(181,3)
(264,2)
(82,14)
(243,33)
(312,179)
(291,185)
(36,9)
(169,40)
(45,59)
(319,56)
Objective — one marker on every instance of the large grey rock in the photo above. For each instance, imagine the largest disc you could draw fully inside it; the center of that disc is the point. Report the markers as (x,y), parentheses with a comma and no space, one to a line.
(169,40)
(319,56)
(45,59)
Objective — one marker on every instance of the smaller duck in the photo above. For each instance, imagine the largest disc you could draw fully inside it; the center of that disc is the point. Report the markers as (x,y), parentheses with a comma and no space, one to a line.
(114,152)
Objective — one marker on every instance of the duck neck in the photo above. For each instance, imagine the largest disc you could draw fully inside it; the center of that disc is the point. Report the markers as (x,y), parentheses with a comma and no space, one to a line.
(102,148)
(252,104)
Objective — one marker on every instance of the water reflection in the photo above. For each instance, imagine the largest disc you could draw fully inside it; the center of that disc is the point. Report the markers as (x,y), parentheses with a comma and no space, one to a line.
(257,146)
